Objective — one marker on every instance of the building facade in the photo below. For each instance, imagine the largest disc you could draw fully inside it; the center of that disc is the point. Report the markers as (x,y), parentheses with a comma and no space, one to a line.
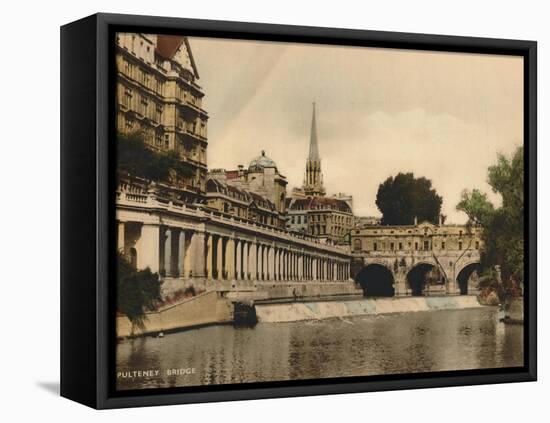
(328,219)
(420,237)
(241,204)
(263,185)
(159,97)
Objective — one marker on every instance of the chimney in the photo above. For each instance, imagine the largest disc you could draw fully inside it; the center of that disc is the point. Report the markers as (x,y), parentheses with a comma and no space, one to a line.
(415,221)
(440,220)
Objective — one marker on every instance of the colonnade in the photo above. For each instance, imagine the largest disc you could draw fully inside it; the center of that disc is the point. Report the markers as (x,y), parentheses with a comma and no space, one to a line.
(186,253)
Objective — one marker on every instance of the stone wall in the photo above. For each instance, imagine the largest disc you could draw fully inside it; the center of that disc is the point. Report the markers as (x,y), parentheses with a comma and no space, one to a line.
(206,308)
(282,290)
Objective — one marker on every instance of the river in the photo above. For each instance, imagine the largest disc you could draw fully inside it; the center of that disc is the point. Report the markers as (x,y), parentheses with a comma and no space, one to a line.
(368,345)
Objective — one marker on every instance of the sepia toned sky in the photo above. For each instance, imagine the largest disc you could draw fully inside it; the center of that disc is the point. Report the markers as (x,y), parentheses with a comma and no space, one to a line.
(379,111)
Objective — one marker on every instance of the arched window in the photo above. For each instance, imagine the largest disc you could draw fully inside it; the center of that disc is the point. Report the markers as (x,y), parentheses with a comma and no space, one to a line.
(357,244)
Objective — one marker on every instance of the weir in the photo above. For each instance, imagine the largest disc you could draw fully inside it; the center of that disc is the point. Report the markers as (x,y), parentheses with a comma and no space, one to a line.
(318,310)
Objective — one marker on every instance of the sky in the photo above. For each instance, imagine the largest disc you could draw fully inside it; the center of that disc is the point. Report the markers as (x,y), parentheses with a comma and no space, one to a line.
(444,116)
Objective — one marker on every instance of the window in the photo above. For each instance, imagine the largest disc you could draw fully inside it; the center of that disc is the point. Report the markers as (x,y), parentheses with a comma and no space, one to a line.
(426,245)
(158,139)
(129,124)
(460,234)
(477,245)
(357,244)
(416,246)
(375,246)
(443,245)
(128,68)
(145,78)
(159,85)
(158,113)
(166,141)
(392,246)
(400,245)
(144,105)
(127,99)
(460,245)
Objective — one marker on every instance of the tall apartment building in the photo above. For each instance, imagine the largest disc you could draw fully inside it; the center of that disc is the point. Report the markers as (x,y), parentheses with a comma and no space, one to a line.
(158,95)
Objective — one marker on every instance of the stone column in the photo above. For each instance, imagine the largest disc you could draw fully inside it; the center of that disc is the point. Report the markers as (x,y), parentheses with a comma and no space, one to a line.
(314,266)
(272,262)
(187,254)
(196,262)
(276,262)
(287,270)
(267,263)
(219,258)
(230,259)
(246,260)
(239,256)
(252,263)
(166,265)
(148,248)
(120,238)
(181,254)
(209,256)
(301,267)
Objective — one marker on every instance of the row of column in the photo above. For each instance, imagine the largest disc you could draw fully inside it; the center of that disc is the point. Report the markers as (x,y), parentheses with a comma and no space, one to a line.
(175,252)
(236,259)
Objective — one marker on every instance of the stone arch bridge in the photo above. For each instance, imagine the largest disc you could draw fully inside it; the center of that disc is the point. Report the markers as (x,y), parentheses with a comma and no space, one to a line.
(402,273)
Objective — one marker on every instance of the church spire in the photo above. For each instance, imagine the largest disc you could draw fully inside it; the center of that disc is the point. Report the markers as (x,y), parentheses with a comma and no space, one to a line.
(313,184)
(313,148)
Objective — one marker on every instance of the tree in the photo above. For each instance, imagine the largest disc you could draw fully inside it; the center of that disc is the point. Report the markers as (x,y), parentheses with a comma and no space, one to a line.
(502,226)
(136,158)
(137,291)
(405,197)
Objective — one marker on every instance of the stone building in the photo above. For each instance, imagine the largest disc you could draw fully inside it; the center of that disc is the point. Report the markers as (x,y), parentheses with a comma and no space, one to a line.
(362,221)
(328,219)
(261,182)
(240,203)
(310,212)
(420,237)
(158,95)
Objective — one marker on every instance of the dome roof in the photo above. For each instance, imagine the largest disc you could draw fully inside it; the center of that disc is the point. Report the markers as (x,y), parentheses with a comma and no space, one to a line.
(261,162)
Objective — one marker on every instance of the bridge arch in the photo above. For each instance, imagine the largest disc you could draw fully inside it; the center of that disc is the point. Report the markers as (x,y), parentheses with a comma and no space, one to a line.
(463,276)
(376,280)
(417,277)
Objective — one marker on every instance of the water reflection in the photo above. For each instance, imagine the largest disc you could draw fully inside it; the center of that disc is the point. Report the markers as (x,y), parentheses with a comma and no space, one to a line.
(370,345)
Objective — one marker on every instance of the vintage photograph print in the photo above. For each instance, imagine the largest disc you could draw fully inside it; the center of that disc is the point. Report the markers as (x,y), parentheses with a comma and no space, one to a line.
(289,211)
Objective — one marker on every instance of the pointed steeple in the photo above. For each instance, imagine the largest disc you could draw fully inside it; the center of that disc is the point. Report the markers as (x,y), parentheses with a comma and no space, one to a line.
(313,184)
(313,148)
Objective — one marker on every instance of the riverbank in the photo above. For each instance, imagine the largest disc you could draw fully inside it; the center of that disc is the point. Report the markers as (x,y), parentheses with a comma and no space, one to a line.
(204,309)
(215,308)
(319,310)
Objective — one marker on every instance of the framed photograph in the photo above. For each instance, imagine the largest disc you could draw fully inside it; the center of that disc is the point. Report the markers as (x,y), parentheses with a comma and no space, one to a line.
(256,211)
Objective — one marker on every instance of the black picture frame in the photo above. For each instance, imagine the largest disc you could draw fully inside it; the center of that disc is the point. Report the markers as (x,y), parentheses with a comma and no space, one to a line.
(87,207)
